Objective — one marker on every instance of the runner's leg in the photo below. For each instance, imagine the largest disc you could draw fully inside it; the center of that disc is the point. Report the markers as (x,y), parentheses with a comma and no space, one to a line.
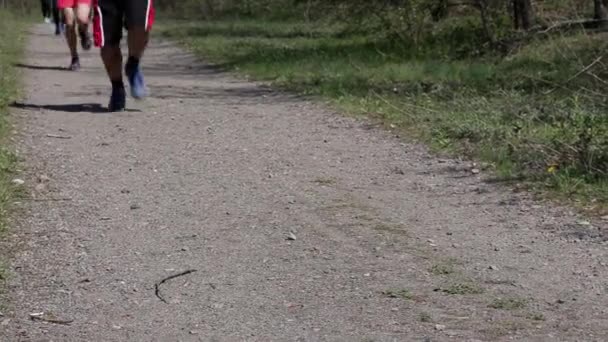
(46,10)
(109,18)
(71,36)
(139,18)
(83,11)
(56,17)
(112,60)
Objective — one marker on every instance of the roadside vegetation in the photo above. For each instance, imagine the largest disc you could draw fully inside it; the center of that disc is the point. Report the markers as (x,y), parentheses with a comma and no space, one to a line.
(522,92)
(11,43)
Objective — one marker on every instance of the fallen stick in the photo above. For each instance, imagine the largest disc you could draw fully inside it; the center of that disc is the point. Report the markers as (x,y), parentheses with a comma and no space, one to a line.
(157,285)
(214,285)
(58,136)
(596,77)
(37,317)
(583,23)
(582,71)
(47,199)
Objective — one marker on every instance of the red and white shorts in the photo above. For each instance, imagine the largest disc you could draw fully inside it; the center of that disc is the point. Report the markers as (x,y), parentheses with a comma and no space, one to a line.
(63,4)
(112,15)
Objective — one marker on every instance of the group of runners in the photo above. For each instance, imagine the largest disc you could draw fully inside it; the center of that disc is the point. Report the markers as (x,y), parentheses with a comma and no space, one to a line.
(109,17)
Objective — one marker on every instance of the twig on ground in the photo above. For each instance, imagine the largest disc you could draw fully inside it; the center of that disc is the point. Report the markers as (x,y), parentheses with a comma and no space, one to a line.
(214,285)
(581,22)
(599,79)
(157,285)
(350,61)
(46,199)
(582,71)
(40,317)
(58,136)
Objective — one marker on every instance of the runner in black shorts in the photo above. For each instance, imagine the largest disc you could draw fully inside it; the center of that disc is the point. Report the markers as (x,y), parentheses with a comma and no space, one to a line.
(46,10)
(110,18)
(56,17)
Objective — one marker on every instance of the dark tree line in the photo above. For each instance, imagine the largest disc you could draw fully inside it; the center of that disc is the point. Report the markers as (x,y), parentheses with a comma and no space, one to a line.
(402,17)
(521,12)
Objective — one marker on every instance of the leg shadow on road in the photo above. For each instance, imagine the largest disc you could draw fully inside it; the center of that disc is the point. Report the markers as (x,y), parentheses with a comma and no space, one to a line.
(39,67)
(69,108)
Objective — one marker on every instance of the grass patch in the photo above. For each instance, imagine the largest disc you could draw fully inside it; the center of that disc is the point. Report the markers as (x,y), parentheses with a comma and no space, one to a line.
(500,329)
(425,317)
(393,228)
(537,316)
(442,269)
(398,293)
(11,43)
(3,274)
(324,181)
(463,288)
(508,303)
(524,113)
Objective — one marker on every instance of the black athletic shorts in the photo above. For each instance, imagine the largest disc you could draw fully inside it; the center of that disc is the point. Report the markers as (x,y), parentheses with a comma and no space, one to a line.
(112,15)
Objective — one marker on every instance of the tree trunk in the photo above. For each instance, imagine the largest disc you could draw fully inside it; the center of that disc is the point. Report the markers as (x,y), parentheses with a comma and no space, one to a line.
(439,10)
(207,9)
(308,10)
(482,5)
(601,9)
(523,14)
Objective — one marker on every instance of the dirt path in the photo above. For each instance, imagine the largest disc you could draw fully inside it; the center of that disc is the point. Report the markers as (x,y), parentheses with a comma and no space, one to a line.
(213,174)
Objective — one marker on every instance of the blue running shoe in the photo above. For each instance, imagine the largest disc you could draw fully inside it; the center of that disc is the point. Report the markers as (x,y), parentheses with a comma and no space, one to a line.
(136,81)
(117,100)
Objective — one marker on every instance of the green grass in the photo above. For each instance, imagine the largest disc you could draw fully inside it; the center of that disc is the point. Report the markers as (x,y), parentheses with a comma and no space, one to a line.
(508,303)
(525,113)
(463,288)
(11,43)
(398,293)
(442,269)
(537,316)
(425,317)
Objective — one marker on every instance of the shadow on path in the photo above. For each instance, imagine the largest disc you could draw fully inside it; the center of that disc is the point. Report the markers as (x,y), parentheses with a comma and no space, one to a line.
(40,67)
(69,108)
